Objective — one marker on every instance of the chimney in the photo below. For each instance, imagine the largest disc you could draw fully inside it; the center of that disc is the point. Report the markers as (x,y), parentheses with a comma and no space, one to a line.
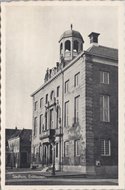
(93,38)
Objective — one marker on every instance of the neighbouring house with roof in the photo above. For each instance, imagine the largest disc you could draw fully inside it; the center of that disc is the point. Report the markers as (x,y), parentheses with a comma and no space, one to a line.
(75,111)
(18,148)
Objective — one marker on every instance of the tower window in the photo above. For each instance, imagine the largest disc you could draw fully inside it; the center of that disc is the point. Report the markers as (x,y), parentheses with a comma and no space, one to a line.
(61,47)
(75,46)
(67,45)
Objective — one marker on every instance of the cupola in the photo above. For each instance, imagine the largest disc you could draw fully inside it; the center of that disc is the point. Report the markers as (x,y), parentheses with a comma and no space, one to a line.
(71,44)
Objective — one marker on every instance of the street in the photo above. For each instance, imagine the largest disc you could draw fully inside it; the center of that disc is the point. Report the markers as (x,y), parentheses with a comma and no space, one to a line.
(39,178)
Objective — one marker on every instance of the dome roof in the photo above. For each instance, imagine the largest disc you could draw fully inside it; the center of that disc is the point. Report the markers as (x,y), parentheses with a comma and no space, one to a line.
(71,33)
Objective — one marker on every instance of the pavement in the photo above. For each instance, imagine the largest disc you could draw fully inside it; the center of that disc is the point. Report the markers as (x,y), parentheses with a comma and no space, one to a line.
(37,177)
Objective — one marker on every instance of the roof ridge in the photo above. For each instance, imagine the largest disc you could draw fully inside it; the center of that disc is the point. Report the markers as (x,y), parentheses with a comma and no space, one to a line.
(107,47)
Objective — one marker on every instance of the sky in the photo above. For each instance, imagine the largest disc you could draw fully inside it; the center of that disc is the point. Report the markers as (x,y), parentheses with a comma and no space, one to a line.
(32,34)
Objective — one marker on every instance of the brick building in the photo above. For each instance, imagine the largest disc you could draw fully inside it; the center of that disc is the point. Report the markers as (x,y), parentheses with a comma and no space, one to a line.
(18,148)
(75,111)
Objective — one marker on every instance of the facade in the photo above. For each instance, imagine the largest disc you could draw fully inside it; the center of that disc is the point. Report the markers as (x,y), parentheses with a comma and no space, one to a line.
(18,149)
(75,111)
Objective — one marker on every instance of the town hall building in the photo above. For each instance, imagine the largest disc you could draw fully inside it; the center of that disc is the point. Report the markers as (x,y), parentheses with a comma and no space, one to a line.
(75,111)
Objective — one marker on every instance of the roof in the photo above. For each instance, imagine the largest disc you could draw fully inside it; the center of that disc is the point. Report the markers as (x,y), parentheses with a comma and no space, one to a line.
(103,51)
(24,134)
(71,33)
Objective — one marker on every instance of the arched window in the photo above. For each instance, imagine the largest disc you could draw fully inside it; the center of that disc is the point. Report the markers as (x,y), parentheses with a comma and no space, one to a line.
(67,45)
(75,46)
(61,47)
(52,95)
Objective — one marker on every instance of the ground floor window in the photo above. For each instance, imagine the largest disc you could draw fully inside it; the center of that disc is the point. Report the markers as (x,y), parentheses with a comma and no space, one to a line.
(66,148)
(77,147)
(57,149)
(105,147)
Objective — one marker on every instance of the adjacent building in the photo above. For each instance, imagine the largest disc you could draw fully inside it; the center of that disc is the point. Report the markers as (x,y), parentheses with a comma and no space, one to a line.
(75,111)
(18,148)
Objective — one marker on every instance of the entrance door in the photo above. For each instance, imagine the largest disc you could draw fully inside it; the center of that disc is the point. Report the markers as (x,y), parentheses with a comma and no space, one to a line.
(24,160)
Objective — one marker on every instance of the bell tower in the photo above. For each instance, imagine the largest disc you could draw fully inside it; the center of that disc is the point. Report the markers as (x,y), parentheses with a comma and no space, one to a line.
(71,44)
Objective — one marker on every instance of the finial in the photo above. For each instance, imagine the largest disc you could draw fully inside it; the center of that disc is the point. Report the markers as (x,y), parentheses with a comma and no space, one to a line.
(71,26)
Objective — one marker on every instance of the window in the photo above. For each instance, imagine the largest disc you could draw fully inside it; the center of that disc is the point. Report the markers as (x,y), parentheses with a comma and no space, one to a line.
(76,109)
(35,105)
(66,86)
(52,95)
(76,79)
(41,124)
(104,77)
(104,108)
(66,148)
(56,149)
(77,147)
(35,126)
(51,119)
(41,102)
(46,120)
(75,46)
(57,117)
(66,114)
(67,45)
(105,147)
(58,87)
(46,98)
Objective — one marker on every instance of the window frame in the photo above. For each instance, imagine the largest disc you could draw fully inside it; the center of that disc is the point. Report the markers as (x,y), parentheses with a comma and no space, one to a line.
(66,86)
(76,149)
(104,147)
(103,78)
(76,109)
(104,110)
(35,126)
(66,148)
(76,79)
(41,102)
(66,116)
(58,90)
(41,124)
(35,105)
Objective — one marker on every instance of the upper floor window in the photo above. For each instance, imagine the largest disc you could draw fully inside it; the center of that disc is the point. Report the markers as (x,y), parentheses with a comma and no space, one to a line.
(66,114)
(35,126)
(104,77)
(58,88)
(76,109)
(105,147)
(35,105)
(46,98)
(66,148)
(67,86)
(52,95)
(41,124)
(77,147)
(104,108)
(41,102)
(76,79)
(57,149)
(61,47)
